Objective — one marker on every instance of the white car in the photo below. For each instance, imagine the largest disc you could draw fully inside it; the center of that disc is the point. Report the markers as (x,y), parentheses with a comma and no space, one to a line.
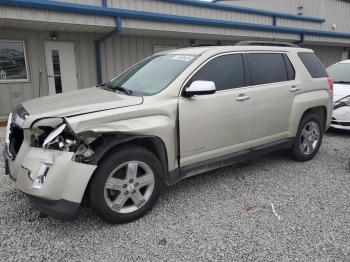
(340,73)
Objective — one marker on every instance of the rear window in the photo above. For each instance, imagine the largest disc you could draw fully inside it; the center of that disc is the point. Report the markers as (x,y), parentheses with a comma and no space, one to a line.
(313,65)
(269,68)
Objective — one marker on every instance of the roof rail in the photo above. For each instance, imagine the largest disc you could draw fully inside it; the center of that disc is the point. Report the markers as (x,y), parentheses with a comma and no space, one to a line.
(266,43)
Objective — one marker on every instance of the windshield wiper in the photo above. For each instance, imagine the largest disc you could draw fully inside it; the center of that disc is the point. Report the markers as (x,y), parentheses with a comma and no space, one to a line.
(121,89)
(118,88)
(341,82)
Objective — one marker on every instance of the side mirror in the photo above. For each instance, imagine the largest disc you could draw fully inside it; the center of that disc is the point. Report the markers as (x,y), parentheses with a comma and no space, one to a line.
(200,88)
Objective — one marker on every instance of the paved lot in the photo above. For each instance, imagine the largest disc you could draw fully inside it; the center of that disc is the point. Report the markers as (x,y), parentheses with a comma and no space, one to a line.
(220,216)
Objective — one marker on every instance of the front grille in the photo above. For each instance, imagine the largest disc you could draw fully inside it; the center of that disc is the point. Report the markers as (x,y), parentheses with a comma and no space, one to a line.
(16,139)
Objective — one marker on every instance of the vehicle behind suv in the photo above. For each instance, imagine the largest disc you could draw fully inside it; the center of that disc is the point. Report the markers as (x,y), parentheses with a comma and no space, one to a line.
(340,73)
(173,115)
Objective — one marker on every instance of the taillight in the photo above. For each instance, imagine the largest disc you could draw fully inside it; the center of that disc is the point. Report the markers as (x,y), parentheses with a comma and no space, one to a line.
(330,84)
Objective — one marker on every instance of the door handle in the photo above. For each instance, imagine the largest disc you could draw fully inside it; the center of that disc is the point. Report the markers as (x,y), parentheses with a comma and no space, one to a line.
(294,89)
(50,76)
(242,97)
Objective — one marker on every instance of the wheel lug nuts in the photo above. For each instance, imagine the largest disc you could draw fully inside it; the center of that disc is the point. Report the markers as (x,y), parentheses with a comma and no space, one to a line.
(124,186)
(130,181)
(136,184)
(134,191)
(126,192)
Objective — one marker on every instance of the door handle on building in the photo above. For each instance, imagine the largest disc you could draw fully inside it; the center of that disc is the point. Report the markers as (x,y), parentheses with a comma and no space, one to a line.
(242,97)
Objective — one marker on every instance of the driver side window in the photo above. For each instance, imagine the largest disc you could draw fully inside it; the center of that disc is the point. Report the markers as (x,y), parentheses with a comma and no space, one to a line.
(226,71)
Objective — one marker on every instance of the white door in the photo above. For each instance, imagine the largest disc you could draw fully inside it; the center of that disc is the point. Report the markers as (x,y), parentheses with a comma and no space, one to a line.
(61,66)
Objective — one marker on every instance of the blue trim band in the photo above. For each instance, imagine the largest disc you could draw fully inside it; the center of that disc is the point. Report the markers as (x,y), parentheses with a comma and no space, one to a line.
(125,13)
(245,10)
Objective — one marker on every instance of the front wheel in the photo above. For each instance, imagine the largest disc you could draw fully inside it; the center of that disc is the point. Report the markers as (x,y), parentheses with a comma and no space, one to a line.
(126,185)
(308,139)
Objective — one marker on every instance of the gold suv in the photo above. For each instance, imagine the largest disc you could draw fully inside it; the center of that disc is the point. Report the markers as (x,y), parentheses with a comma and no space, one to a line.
(173,115)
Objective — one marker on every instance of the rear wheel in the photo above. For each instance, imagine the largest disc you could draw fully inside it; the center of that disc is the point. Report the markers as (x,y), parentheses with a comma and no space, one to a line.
(308,139)
(126,185)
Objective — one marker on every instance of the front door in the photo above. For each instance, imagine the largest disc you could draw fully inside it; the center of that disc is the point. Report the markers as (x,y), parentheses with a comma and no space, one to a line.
(220,124)
(61,66)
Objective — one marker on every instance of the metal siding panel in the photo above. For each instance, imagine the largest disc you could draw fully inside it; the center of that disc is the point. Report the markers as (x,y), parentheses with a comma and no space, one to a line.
(68,18)
(14,93)
(131,49)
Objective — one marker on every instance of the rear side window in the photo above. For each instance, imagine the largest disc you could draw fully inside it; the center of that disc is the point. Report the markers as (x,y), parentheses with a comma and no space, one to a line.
(268,68)
(312,64)
(225,71)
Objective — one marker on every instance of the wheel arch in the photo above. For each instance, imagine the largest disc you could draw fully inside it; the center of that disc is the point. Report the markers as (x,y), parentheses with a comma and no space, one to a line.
(321,111)
(317,103)
(108,142)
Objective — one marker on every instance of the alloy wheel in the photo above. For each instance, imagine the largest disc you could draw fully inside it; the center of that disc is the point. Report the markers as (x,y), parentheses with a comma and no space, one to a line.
(129,187)
(309,138)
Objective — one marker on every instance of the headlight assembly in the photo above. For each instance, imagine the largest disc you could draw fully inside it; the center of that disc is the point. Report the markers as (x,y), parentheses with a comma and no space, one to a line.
(62,138)
(51,138)
(59,137)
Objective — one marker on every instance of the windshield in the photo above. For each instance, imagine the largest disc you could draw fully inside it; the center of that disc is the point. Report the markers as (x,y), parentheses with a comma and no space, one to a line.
(153,74)
(340,72)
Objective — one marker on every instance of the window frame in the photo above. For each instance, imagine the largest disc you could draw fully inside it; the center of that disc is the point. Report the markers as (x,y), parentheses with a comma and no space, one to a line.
(25,61)
(284,56)
(245,69)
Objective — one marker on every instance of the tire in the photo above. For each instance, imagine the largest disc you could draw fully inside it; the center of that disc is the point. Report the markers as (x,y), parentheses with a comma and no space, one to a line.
(122,188)
(298,151)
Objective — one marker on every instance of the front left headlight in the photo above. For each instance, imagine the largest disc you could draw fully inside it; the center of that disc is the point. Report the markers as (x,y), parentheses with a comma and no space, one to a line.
(59,138)
(62,138)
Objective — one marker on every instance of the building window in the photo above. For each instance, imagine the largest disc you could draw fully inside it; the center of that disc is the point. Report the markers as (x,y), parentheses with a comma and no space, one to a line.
(13,63)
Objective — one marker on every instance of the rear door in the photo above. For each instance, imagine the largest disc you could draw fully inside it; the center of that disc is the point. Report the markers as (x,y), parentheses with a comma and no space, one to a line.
(273,79)
(219,124)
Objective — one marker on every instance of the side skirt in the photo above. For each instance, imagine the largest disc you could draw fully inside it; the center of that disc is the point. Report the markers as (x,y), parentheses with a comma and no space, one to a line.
(227,160)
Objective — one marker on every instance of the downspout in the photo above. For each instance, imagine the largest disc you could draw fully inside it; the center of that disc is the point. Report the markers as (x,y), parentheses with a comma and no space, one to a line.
(301,41)
(98,42)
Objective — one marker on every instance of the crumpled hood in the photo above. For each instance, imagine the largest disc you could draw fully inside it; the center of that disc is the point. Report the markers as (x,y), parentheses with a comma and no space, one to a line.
(340,91)
(78,102)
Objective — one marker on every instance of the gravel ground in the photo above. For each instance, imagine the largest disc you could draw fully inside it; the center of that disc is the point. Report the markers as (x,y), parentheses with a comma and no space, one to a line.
(223,215)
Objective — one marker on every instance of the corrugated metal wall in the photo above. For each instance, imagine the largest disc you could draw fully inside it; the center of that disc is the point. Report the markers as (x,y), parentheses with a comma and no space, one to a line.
(13,93)
(29,18)
(334,11)
(121,51)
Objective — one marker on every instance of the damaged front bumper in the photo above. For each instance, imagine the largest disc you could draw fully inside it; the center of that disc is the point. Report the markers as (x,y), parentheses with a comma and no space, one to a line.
(54,183)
